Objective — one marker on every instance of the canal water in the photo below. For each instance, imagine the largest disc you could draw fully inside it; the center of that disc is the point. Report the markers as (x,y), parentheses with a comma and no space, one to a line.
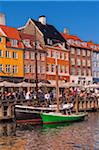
(76,136)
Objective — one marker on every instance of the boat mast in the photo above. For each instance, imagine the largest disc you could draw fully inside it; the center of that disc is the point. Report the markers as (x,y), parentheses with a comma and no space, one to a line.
(57,86)
(77,105)
(36,71)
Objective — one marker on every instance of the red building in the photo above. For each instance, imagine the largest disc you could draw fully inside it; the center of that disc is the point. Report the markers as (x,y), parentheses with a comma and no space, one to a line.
(80,59)
(29,58)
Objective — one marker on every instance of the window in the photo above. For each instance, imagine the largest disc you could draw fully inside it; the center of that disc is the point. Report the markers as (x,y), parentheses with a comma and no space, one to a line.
(94,74)
(7,54)
(94,63)
(1,53)
(49,41)
(94,54)
(72,50)
(53,54)
(71,41)
(48,68)
(63,69)
(78,51)
(78,62)
(0,67)
(14,55)
(26,55)
(88,53)
(8,68)
(58,55)
(97,64)
(62,56)
(84,43)
(72,61)
(48,53)
(27,43)
(98,56)
(84,72)
(67,69)
(42,69)
(72,71)
(53,68)
(26,68)
(38,56)
(15,69)
(84,62)
(89,72)
(58,68)
(14,43)
(88,63)
(66,56)
(98,74)
(31,69)
(83,52)
(32,55)
(0,39)
(79,71)
(78,43)
(42,56)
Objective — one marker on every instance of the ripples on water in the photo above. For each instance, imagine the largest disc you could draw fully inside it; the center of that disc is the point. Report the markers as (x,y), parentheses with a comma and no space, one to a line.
(77,136)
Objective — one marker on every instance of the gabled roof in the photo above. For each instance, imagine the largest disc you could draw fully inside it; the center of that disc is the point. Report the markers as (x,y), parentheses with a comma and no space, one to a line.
(49,31)
(10,32)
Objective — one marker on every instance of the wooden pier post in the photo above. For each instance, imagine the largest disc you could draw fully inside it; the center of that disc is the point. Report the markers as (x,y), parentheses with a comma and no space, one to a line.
(1,111)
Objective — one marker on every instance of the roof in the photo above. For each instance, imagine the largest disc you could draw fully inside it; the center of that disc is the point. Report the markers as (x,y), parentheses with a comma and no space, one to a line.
(49,31)
(68,36)
(81,44)
(10,32)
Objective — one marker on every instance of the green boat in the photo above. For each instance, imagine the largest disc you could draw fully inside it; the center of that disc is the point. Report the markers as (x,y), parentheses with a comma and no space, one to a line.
(53,117)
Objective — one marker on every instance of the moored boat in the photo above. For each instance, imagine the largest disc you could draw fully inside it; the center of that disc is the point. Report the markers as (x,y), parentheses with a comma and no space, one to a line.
(52,117)
(25,114)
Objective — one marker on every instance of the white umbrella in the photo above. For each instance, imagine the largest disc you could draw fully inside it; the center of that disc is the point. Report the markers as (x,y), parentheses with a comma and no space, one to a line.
(92,86)
(7,84)
(25,84)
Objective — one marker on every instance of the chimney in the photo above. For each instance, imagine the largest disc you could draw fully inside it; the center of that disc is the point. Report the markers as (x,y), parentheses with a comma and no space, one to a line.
(2,19)
(66,31)
(42,19)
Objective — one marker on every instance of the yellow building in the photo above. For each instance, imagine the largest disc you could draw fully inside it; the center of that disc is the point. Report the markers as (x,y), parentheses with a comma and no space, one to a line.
(11,54)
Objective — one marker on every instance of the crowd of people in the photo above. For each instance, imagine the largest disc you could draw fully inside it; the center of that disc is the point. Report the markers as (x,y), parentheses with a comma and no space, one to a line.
(68,94)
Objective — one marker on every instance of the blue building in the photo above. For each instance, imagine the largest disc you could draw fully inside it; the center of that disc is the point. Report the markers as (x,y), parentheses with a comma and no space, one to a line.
(95,61)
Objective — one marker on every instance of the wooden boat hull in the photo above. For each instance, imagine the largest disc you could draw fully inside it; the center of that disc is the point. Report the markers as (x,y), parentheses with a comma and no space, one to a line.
(50,118)
(27,115)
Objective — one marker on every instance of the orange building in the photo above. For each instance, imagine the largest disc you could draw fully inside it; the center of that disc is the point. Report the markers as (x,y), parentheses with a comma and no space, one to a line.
(59,55)
(11,54)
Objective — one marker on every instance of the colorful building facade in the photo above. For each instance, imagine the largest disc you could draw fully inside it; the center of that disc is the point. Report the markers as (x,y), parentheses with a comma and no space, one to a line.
(29,58)
(80,60)
(54,45)
(11,54)
(95,61)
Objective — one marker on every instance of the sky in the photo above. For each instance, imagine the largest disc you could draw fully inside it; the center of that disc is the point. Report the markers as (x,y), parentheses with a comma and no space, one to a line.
(80,17)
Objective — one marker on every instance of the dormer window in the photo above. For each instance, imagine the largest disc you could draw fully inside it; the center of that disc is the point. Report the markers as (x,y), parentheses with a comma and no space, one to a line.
(49,41)
(84,43)
(14,43)
(27,43)
(71,41)
(78,43)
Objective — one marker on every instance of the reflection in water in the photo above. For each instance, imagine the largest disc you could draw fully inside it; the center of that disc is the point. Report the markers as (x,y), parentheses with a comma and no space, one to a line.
(77,136)
(7,129)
